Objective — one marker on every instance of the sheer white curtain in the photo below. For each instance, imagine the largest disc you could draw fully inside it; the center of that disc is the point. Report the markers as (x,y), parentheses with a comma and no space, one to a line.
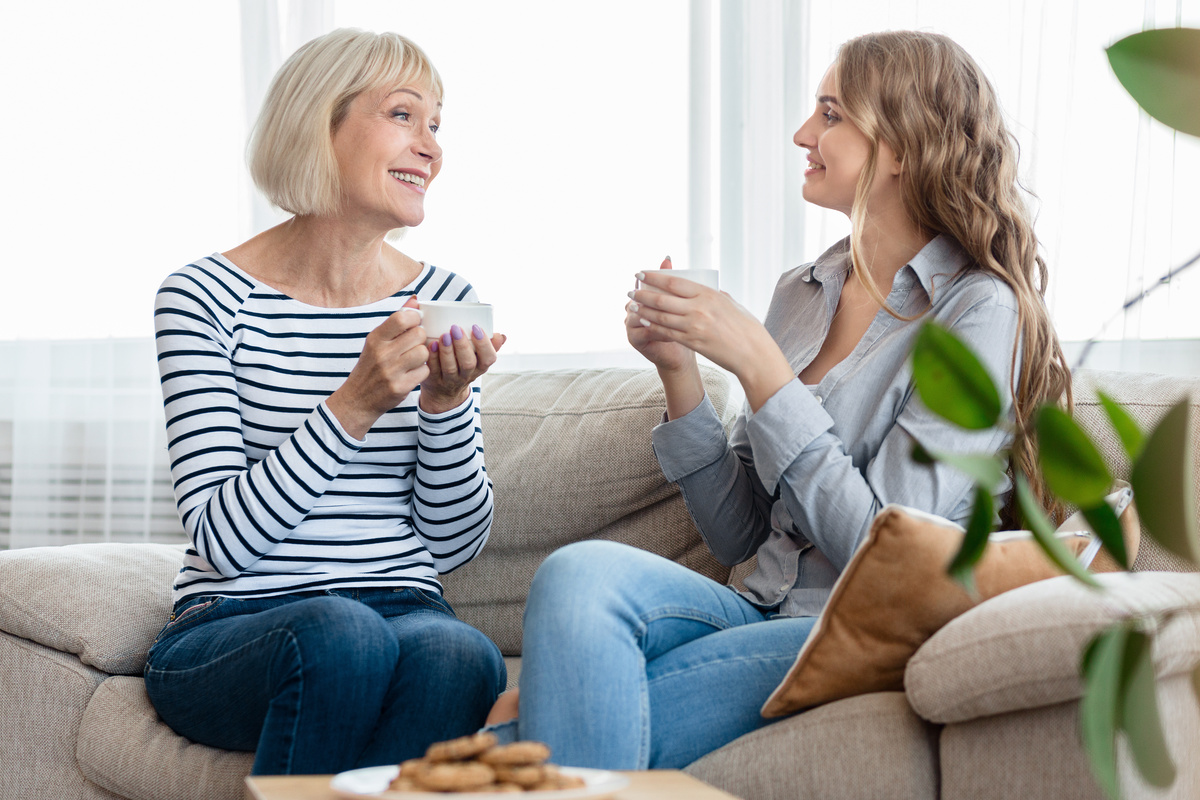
(82,444)
(580,147)
(1117,195)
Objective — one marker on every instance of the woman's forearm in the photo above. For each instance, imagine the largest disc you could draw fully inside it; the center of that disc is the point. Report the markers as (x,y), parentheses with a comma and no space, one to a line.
(683,387)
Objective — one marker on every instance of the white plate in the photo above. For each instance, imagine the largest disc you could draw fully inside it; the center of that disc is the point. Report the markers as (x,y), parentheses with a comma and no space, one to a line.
(373,782)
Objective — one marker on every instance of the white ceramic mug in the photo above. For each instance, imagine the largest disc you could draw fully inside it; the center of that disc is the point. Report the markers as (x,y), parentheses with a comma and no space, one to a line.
(705,277)
(439,315)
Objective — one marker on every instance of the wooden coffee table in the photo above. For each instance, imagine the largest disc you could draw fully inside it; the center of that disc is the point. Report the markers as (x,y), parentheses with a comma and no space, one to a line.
(658,784)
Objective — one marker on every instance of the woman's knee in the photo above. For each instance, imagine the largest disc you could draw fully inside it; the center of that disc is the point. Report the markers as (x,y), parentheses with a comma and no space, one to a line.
(583,568)
(340,637)
(457,653)
(583,585)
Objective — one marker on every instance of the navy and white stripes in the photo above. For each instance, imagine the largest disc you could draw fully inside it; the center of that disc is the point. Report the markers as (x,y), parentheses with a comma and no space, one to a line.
(275,496)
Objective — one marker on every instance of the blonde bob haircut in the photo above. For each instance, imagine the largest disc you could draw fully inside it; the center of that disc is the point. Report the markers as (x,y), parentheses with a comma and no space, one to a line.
(924,96)
(291,147)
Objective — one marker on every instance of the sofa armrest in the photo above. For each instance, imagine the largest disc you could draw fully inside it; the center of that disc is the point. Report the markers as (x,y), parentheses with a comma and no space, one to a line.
(102,602)
(1022,649)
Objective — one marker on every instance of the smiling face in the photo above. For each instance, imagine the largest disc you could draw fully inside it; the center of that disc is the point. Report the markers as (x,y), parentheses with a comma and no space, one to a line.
(387,155)
(838,152)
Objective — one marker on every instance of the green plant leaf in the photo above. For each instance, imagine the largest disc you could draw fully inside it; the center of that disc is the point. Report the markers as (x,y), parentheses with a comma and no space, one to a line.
(1107,526)
(921,455)
(1072,466)
(951,381)
(1138,712)
(962,567)
(1161,70)
(1127,430)
(1043,532)
(984,469)
(1162,485)
(1099,706)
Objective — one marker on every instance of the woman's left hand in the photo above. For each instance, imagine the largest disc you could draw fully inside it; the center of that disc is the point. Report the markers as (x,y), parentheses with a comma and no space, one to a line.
(714,325)
(455,361)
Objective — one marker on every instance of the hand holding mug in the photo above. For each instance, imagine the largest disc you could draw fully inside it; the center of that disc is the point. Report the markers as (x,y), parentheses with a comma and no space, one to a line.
(392,364)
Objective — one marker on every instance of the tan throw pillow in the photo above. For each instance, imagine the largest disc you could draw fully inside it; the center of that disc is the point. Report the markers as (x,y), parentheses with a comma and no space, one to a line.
(895,593)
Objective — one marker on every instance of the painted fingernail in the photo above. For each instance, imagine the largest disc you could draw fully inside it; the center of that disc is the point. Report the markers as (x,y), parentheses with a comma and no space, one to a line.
(641,276)
(433,346)
(645,323)
(629,295)
(446,339)
(456,332)
(477,332)
(633,307)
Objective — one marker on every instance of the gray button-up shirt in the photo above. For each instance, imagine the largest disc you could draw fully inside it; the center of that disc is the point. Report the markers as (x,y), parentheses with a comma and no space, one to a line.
(799,482)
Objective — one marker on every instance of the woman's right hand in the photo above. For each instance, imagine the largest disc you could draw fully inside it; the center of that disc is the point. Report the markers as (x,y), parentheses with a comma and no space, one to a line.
(392,364)
(677,367)
(668,356)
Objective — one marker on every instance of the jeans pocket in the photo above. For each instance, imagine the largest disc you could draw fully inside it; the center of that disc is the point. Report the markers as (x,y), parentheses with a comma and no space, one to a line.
(432,600)
(189,614)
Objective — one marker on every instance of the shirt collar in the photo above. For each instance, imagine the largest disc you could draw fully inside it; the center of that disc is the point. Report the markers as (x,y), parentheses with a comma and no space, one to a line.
(940,260)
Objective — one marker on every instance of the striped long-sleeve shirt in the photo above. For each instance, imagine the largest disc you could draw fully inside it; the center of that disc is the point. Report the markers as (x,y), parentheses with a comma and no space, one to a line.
(274,495)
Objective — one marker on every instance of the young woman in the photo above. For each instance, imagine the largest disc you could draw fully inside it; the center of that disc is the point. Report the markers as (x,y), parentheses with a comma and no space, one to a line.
(632,661)
(326,457)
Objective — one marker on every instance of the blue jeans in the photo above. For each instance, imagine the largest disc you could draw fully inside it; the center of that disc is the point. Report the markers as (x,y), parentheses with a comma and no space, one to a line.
(322,682)
(631,661)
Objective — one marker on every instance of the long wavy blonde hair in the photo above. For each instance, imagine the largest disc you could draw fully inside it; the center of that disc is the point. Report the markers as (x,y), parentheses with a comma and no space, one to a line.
(924,96)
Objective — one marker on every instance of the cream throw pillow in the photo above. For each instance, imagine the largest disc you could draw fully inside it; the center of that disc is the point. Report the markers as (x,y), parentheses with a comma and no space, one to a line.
(895,593)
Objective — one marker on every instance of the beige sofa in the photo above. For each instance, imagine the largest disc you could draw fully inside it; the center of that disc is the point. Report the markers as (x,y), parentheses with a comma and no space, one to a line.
(989,708)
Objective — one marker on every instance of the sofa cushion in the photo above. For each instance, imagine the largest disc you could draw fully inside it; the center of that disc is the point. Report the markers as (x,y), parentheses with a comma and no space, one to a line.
(1022,649)
(895,593)
(103,602)
(569,454)
(125,748)
(42,696)
(1035,753)
(1146,397)
(867,746)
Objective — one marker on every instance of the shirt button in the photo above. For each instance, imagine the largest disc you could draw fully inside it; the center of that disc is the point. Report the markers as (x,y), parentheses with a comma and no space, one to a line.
(819,399)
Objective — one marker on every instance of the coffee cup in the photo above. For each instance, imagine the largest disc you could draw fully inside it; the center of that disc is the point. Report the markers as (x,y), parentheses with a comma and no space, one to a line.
(438,315)
(704,277)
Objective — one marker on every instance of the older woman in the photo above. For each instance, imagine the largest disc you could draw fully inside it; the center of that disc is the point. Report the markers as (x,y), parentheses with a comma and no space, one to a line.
(326,457)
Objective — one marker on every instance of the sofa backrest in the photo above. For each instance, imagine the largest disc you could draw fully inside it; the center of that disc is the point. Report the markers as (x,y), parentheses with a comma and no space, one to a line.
(569,454)
(1146,397)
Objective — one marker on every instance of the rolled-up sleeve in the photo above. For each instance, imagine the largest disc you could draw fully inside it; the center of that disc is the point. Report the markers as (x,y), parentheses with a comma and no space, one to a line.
(723,493)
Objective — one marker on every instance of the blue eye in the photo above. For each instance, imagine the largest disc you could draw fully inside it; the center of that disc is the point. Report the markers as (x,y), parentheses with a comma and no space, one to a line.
(434,128)
(401,115)
(830,117)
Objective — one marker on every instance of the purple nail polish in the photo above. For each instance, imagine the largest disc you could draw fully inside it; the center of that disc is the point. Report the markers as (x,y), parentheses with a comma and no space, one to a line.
(456,332)
(477,332)
(446,339)
(433,346)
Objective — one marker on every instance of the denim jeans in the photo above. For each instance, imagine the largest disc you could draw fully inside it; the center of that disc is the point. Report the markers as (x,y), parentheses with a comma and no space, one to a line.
(631,661)
(323,682)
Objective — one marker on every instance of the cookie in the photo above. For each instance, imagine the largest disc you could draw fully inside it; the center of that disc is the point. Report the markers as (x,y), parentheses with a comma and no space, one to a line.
(462,748)
(454,776)
(403,783)
(526,776)
(556,780)
(516,754)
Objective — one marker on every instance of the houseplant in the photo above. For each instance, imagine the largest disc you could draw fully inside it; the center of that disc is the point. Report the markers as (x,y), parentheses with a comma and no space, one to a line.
(1161,70)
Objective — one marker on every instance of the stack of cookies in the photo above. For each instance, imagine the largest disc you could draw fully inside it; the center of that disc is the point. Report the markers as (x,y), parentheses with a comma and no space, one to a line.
(477,764)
